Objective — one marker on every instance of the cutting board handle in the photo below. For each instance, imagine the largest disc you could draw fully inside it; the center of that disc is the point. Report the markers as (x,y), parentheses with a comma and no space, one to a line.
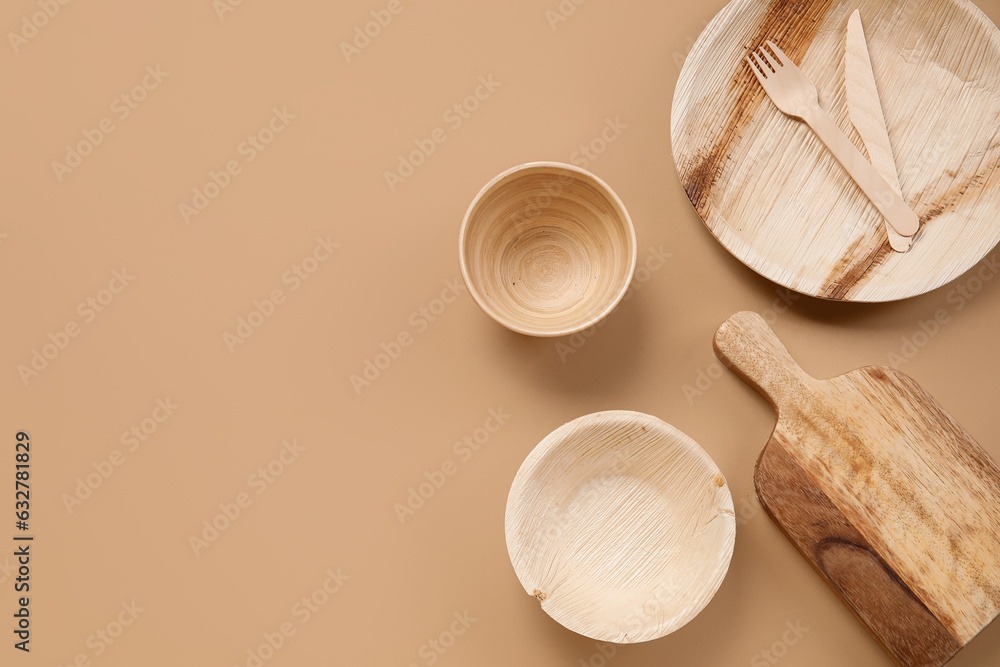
(752,350)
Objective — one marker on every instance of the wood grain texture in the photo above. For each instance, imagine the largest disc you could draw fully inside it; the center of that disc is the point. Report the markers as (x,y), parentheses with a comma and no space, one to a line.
(547,249)
(907,630)
(865,110)
(621,526)
(887,481)
(775,197)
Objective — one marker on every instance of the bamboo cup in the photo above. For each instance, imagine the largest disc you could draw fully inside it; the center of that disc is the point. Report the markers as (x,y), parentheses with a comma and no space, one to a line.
(547,249)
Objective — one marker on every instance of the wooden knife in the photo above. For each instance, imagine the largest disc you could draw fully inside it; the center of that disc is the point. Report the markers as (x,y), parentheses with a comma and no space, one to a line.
(865,108)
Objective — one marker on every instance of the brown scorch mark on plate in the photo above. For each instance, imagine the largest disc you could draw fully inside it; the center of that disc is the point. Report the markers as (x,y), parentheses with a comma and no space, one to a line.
(855,266)
(984,178)
(793,24)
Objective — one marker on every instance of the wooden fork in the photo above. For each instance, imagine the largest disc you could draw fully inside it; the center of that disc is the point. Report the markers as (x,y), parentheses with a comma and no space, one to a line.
(796,96)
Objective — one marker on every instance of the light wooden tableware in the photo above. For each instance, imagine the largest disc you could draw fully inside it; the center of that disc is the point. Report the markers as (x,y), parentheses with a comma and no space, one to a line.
(777,199)
(796,96)
(892,502)
(547,249)
(621,526)
(864,107)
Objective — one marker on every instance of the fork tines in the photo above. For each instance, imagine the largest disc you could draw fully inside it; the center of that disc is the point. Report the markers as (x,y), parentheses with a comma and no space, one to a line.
(757,61)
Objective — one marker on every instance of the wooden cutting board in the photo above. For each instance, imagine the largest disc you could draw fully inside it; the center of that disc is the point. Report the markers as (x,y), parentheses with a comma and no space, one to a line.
(891,501)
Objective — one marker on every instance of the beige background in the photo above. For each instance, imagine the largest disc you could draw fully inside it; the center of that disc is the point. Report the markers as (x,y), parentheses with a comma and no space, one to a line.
(332,507)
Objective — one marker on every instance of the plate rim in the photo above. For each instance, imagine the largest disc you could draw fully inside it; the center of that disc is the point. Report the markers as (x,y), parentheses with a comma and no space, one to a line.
(770,269)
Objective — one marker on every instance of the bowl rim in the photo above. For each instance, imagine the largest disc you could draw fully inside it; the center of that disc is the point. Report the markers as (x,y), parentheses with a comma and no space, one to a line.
(514,325)
(550,444)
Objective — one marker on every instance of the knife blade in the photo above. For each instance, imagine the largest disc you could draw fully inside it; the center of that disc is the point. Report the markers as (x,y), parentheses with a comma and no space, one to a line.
(865,109)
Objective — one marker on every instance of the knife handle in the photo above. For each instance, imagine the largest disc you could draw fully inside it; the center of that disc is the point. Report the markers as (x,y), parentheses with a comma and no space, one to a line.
(892,207)
(751,349)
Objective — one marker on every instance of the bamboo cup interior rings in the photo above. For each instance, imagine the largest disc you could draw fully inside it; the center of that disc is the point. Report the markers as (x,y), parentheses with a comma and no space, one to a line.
(547,249)
(621,526)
